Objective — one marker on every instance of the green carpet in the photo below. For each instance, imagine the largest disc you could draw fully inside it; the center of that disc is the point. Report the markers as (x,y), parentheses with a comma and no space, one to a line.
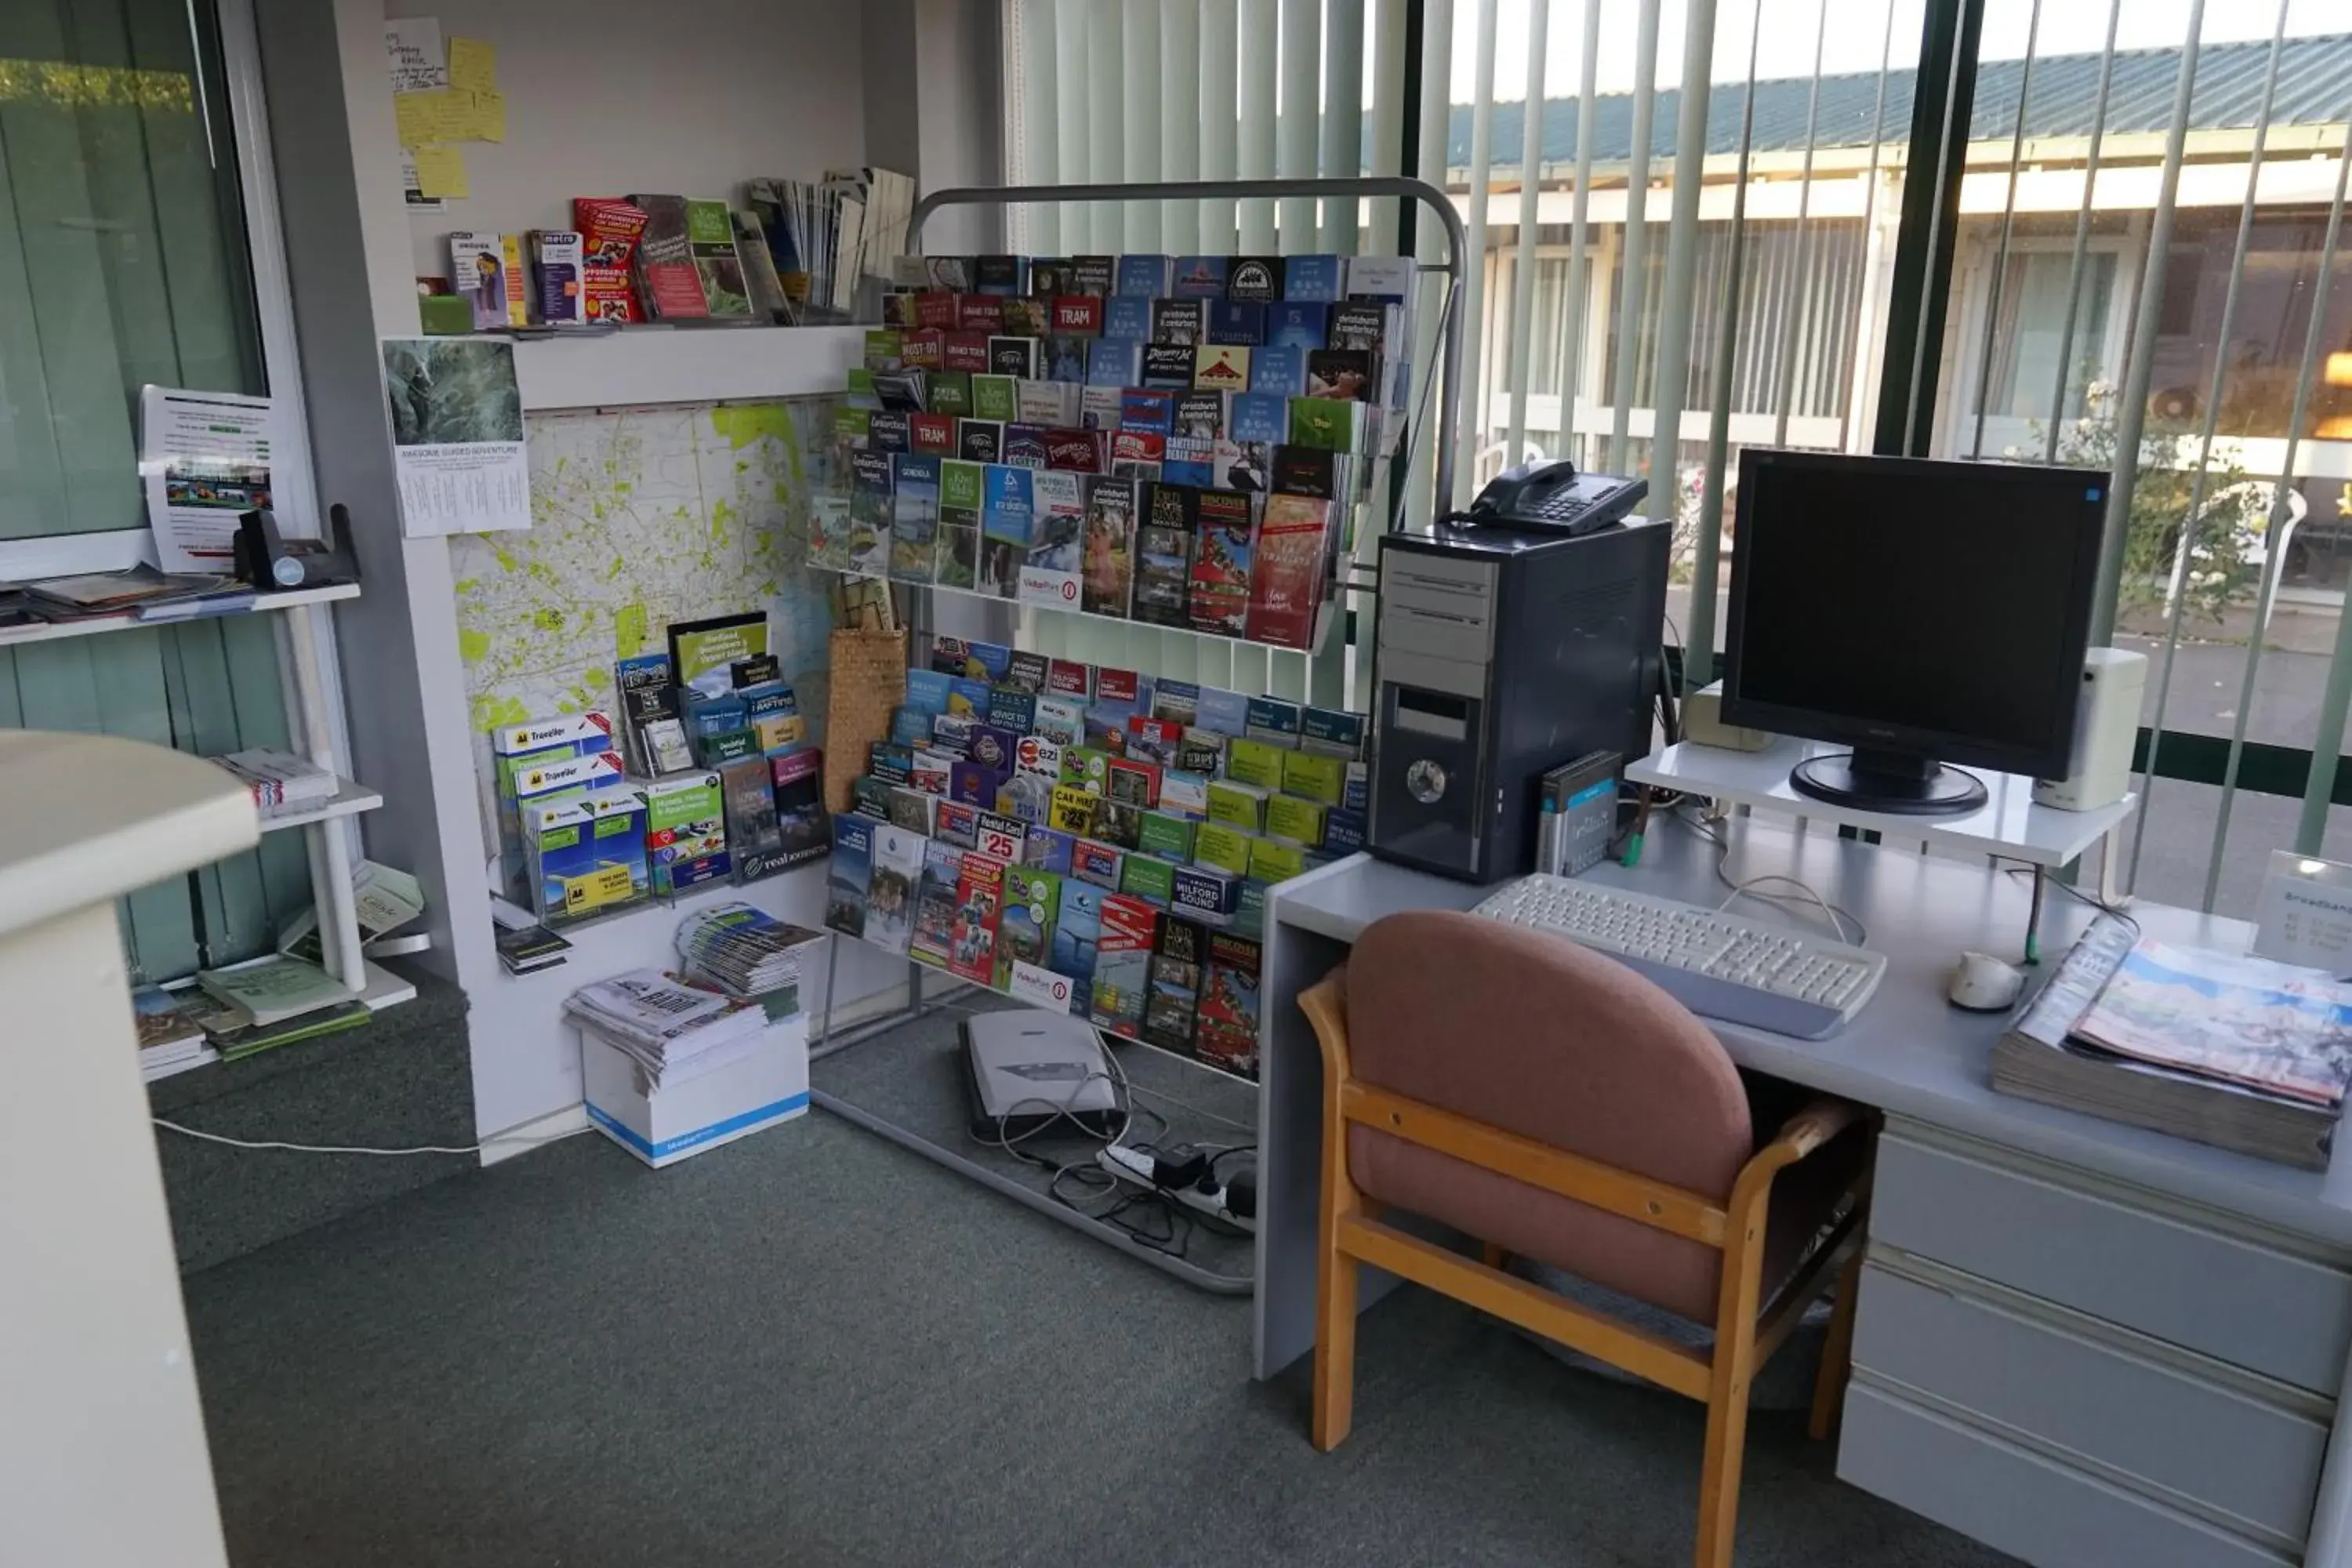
(814,1348)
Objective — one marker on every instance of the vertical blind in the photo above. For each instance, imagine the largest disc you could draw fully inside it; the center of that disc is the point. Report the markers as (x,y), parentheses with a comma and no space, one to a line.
(123,260)
(1685,216)
(1152,91)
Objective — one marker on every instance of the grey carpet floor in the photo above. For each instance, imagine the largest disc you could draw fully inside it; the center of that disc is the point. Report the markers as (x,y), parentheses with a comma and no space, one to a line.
(814,1348)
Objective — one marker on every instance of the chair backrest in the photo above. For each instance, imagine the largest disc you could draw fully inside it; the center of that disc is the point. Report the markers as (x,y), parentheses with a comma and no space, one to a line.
(1538,1036)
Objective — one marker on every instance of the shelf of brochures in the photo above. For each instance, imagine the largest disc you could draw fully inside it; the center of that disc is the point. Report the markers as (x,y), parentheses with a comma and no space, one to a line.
(1323,617)
(349,799)
(289,599)
(685,365)
(642,935)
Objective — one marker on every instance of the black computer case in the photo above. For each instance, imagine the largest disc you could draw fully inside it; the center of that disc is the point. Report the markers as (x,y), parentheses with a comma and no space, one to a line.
(1500,655)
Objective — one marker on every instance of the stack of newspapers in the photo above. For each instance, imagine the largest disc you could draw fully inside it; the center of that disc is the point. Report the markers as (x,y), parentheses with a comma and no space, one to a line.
(744,950)
(671,1027)
(2238,1052)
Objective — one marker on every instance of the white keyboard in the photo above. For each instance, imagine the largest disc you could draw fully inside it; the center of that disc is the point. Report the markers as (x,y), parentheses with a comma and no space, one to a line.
(1719,965)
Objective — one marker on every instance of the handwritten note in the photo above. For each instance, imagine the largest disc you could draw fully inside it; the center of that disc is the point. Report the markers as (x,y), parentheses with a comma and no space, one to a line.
(440,172)
(412,49)
(473,65)
(424,118)
(478,116)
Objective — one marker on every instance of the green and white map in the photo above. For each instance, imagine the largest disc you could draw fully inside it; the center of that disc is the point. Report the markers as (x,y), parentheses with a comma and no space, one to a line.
(640,517)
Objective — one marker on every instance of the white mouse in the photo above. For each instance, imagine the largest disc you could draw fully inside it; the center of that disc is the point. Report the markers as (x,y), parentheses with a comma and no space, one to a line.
(1983,983)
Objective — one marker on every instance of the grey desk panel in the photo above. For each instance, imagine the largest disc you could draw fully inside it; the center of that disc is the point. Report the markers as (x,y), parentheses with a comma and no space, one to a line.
(2161,1418)
(2023,1503)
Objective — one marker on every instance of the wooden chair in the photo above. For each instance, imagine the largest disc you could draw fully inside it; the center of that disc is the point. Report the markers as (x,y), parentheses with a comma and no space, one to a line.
(1551,1102)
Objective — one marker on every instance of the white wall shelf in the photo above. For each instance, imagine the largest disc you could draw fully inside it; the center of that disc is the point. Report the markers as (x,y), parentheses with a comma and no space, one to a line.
(349,799)
(288,599)
(685,365)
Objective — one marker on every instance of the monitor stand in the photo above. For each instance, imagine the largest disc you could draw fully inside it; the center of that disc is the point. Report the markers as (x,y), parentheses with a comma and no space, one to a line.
(1897,783)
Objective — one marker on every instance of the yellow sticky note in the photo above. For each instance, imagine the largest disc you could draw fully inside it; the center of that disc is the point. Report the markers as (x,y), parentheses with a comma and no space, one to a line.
(473,65)
(485,117)
(440,172)
(628,631)
(424,118)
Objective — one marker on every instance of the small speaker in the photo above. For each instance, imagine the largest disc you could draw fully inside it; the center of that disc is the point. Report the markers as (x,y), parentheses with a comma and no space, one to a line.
(2107,724)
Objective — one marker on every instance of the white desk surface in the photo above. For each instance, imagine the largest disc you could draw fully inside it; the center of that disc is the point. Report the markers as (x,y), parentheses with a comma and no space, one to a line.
(2008,822)
(1909,1051)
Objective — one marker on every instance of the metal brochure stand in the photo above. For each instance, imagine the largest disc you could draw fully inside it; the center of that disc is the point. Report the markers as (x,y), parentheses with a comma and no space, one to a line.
(1449,394)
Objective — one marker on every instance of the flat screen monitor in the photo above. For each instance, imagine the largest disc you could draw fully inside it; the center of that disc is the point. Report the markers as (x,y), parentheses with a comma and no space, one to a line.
(1919,612)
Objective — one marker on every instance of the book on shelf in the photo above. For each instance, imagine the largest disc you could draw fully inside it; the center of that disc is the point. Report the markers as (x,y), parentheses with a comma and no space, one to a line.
(1286,573)
(668,281)
(276,778)
(931,933)
(610,232)
(897,865)
(235,1038)
(745,951)
(1107,568)
(171,1038)
(527,948)
(915,516)
(2239,1053)
(272,990)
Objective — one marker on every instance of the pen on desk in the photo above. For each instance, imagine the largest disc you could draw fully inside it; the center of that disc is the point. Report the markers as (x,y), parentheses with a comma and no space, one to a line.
(1640,825)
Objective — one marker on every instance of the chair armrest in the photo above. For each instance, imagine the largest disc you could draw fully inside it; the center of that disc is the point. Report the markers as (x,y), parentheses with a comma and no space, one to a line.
(1810,1128)
(1325,1003)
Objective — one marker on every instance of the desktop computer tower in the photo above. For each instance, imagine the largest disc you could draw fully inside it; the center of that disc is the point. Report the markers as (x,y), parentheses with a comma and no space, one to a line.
(1498,654)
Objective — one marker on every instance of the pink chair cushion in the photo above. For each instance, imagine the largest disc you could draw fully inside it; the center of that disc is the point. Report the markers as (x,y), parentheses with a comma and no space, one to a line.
(1539,1037)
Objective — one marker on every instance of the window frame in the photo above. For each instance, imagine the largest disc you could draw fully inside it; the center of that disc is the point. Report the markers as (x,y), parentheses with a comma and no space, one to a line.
(238,100)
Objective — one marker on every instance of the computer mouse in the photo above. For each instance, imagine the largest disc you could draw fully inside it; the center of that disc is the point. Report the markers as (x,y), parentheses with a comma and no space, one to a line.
(1983,983)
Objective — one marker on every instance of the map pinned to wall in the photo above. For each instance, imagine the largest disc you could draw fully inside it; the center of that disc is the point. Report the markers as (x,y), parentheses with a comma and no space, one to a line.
(640,518)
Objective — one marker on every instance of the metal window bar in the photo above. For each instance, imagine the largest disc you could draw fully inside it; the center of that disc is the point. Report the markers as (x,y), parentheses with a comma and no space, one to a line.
(1672,375)
(1523,278)
(1471,437)
(1804,212)
(1698,642)
(1633,270)
(2190,522)
(1434,131)
(2310,825)
(1579,234)
(2082,235)
(2131,406)
(2008,230)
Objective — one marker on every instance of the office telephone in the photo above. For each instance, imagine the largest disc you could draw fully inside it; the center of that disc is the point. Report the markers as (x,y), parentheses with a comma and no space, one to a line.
(1550,494)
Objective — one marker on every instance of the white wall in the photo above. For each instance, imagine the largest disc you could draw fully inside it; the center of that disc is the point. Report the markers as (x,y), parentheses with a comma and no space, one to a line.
(604,97)
(608,97)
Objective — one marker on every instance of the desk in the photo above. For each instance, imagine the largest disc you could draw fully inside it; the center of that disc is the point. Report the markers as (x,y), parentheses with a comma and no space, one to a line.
(2226,1279)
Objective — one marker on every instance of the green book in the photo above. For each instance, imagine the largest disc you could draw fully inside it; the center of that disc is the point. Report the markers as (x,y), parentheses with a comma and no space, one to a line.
(882,350)
(718,264)
(947,392)
(1237,805)
(1024,922)
(275,989)
(1166,834)
(1314,775)
(1148,878)
(1255,763)
(1086,767)
(1223,847)
(1326,424)
(993,397)
(1272,860)
(1297,819)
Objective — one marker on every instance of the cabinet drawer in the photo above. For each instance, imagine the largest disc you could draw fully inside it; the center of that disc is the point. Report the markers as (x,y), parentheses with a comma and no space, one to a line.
(2215,1443)
(2073,1239)
(2017,1501)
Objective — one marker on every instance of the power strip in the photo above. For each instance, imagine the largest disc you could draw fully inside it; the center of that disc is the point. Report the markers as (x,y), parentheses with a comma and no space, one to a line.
(1134,1167)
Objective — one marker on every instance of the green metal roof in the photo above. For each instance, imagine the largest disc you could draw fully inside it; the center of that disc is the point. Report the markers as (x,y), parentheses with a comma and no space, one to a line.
(2315,87)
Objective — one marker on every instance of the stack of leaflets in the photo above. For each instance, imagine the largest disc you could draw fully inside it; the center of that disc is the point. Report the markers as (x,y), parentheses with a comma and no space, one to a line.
(670,1027)
(271,1001)
(278,778)
(745,950)
(170,1040)
(142,590)
(2241,1053)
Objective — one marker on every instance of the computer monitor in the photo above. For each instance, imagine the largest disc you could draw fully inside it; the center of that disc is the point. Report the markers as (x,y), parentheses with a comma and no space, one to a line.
(1920,612)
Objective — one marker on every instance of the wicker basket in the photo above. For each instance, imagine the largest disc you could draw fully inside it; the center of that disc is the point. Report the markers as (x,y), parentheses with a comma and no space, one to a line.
(868,680)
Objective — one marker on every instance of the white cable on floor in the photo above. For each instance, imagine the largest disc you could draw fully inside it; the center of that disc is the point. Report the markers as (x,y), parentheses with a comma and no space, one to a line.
(337,1149)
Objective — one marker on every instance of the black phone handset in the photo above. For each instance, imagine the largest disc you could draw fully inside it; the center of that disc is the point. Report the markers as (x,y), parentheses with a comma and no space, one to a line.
(1550,494)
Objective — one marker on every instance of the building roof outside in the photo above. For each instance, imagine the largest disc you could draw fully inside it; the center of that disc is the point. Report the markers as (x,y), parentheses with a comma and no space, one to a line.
(2315,87)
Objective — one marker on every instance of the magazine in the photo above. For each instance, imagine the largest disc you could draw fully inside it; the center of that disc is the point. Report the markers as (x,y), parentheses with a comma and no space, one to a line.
(2271,1027)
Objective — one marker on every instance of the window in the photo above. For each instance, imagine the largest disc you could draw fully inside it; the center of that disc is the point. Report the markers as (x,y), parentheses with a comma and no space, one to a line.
(125,259)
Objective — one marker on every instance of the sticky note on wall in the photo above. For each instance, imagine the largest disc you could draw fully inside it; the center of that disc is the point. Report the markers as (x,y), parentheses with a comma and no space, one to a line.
(473,65)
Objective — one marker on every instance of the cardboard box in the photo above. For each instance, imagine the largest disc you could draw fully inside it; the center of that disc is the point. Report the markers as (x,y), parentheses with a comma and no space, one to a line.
(687,1116)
